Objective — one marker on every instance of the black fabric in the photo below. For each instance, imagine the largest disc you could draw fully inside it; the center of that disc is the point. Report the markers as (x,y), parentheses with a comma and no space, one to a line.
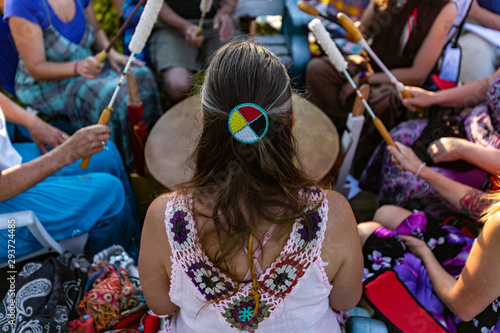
(259,125)
(46,295)
(190,9)
(387,27)
(444,123)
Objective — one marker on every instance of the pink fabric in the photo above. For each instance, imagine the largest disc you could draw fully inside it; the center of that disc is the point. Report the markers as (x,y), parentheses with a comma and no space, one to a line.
(256,254)
(295,288)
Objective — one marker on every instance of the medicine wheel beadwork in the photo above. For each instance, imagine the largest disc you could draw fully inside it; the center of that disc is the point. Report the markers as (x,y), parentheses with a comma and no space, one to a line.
(248,123)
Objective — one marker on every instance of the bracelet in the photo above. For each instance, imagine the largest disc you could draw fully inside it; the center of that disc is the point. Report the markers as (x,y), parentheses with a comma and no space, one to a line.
(420,169)
(75,69)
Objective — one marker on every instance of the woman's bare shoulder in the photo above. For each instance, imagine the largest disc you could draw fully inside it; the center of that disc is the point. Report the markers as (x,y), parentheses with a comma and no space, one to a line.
(155,215)
(338,206)
(341,219)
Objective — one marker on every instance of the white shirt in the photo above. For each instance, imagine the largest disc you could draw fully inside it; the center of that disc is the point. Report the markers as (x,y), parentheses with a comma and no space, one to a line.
(9,157)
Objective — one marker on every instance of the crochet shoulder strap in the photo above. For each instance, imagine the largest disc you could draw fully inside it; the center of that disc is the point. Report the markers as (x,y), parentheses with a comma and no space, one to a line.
(187,252)
(309,230)
(179,224)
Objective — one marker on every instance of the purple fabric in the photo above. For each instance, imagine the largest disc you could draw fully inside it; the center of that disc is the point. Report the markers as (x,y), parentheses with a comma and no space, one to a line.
(414,275)
(403,189)
(384,250)
(483,124)
(42,14)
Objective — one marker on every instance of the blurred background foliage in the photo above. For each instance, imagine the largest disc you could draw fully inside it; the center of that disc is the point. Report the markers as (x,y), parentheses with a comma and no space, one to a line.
(109,20)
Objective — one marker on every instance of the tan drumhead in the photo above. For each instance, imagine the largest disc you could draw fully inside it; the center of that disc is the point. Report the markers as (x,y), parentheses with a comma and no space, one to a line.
(174,137)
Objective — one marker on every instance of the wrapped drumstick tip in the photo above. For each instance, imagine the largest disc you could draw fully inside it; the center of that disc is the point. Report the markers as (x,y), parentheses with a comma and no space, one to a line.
(337,59)
(205,6)
(139,39)
(351,28)
(145,25)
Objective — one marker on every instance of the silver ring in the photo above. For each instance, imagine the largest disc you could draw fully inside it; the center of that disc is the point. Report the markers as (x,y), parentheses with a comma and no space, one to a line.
(103,143)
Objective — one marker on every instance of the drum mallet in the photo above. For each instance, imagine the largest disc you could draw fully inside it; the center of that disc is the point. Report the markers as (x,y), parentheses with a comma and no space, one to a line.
(308,8)
(141,34)
(340,64)
(349,26)
(101,56)
(205,6)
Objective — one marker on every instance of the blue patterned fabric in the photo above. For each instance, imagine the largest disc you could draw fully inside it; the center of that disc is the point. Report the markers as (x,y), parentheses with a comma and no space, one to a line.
(71,202)
(83,100)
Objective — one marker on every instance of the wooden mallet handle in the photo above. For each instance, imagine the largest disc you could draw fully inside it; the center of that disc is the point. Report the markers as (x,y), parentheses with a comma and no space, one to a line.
(383,132)
(349,27)
(308,8)
(101,56)
(103,120)
(406,94)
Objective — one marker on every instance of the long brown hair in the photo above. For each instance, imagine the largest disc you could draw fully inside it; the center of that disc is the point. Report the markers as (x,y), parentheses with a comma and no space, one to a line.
(260,177)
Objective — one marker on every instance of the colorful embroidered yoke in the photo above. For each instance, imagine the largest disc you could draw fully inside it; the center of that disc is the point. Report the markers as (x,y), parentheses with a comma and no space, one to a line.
(295,288)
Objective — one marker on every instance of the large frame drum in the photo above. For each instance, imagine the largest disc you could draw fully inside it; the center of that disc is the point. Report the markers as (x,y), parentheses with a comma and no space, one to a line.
(174,136)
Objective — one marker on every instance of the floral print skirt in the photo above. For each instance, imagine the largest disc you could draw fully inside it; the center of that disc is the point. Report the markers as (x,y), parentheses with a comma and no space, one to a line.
(397,285)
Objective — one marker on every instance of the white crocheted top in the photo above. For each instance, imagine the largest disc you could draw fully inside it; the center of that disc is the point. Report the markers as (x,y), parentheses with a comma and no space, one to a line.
(295,288)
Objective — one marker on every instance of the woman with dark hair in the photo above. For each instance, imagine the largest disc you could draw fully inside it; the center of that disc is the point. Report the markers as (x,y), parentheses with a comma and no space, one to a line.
(408,37)
(249,242)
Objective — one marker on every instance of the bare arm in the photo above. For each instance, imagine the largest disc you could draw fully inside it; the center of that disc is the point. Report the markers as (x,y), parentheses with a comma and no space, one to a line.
(85,142)
(342,250)
(223,19)
(454,149)
(467,296)
(468,95)
(101,42)
(485,17)
(28,37)
(427,54)
(154,260)
(173,19)
(118,4)
(188,28)
(469,200)
(42,133)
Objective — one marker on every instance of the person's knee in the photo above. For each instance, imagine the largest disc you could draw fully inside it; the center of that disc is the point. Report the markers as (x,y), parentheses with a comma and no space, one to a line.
(177,82)
(366,229)
(383,213)
(390,216)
